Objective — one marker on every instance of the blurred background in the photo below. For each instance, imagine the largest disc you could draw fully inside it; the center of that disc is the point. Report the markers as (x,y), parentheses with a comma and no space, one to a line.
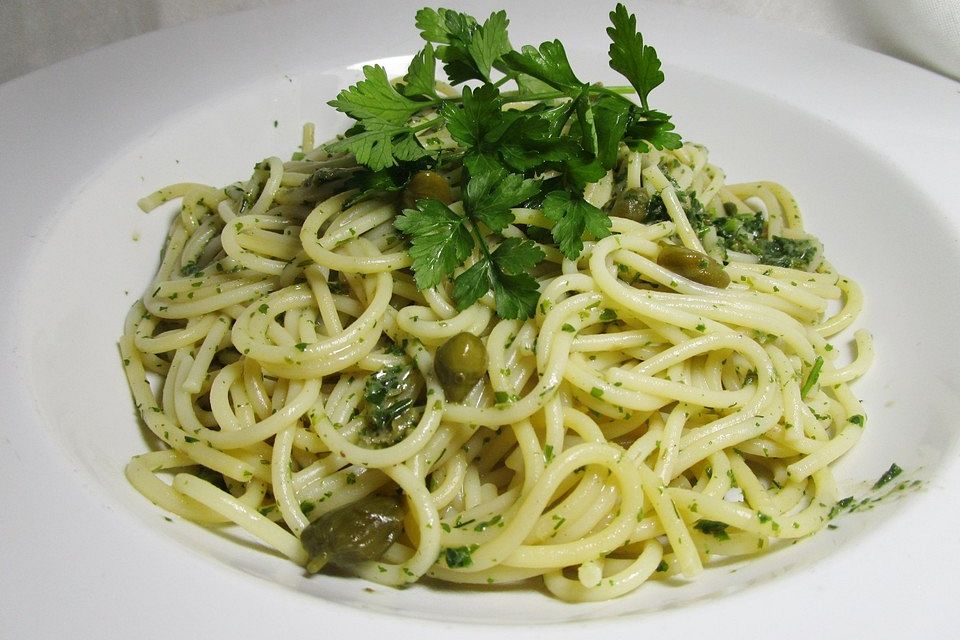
(37,33)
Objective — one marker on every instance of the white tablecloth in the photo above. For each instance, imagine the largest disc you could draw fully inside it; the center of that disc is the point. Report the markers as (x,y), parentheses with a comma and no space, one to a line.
(36,33)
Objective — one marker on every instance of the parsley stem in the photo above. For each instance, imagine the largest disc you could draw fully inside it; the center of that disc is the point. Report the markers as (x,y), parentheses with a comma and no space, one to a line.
(478,237)
(512,96)
(516,96)
(427,124)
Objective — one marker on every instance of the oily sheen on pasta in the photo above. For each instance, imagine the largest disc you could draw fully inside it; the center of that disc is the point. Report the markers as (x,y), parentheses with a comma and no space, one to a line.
(639,425)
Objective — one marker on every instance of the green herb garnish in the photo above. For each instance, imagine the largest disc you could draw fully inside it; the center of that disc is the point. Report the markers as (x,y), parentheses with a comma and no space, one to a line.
(717,529)
(812,377)
(458,557)
(888,475)
(567,135)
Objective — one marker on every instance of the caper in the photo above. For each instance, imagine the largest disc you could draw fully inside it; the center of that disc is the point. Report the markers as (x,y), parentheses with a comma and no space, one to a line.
(359,531)
(427,184)
(632,204)
(460,362)
(392,405)
(693,265)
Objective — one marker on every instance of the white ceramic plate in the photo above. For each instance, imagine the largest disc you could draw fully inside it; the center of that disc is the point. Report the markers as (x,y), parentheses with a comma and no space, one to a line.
(870,147)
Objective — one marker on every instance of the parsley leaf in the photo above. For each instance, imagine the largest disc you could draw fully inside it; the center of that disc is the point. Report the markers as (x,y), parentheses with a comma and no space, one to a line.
(549,64)
(489,42)
(527,142)
(517,257)
(505,271)
(573,216)
(433,25)
(612,114)
(472,284)
(516,295)
(421,78)
(528,85)
(518,140)
(585,118)
(406,147)
(568,135)
(468,50)
(372,147)
(476,120)
(582,169)
(490,195)
(440,241)
(375,99)
(651,127)
(629,56)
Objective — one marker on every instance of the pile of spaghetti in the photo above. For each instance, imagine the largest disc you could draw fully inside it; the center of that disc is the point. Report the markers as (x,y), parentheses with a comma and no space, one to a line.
(593,409)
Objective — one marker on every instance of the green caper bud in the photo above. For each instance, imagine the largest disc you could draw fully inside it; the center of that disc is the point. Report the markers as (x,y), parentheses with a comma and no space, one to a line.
(631,204)
(460,362)
(359,531)
(693,265)
(427,184)
(392,405)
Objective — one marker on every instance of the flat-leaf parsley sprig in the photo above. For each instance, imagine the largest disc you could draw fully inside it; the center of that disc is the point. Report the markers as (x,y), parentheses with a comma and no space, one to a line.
(566,135)
(441,240)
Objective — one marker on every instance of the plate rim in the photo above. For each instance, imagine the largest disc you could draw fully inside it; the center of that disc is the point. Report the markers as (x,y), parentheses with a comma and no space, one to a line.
(17,443)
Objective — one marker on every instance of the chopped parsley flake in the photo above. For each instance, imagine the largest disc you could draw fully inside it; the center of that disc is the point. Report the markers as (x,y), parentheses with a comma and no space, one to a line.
(888,475)
(459,557)
(717,529)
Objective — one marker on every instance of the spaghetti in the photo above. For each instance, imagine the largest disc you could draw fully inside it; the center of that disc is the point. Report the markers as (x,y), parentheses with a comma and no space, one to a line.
(640,424)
